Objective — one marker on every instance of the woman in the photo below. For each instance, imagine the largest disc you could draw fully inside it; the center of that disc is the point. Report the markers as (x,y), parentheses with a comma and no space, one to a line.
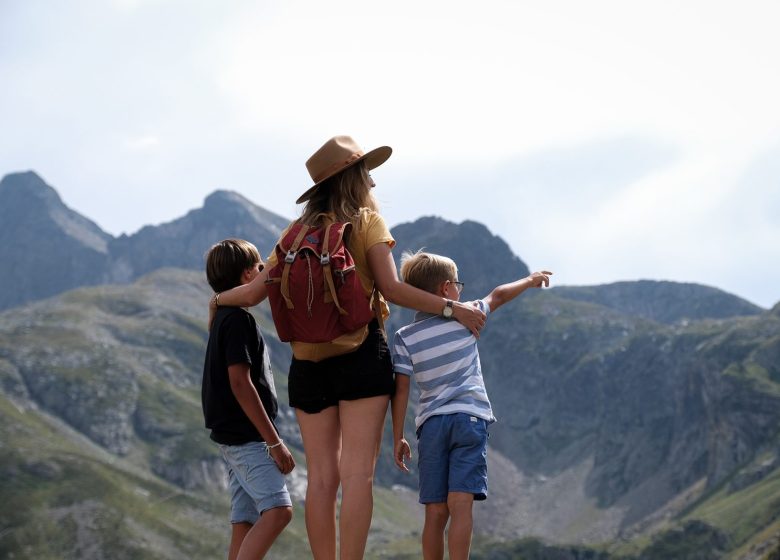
(340,402)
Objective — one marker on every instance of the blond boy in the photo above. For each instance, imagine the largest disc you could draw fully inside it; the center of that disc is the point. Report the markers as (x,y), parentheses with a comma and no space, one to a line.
(454,411)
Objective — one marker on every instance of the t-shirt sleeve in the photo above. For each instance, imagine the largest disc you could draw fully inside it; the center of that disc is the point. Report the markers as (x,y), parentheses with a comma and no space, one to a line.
(237,340)
(402,362)
(376,231)
(483,306)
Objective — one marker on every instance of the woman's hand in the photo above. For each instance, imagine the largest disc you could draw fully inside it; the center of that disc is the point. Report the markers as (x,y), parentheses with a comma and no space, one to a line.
(380,261)
(469,316)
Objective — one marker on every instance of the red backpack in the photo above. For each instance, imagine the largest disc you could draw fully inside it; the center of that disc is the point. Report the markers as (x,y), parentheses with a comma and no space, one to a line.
(314,289)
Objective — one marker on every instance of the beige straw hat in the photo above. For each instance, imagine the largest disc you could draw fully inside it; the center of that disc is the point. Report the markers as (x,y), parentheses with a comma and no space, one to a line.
(337,154)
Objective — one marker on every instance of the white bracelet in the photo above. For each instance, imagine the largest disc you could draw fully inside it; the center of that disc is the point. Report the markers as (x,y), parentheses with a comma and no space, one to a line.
(269,447)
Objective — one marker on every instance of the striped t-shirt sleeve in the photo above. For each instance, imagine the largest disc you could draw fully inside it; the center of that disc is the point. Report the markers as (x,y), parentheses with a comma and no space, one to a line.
(402,362)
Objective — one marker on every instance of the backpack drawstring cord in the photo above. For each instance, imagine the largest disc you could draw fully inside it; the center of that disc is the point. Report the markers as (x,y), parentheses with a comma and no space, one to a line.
(310,294)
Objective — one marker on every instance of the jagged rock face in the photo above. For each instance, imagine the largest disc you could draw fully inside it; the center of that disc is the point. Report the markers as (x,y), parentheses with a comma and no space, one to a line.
(45,247)
(183,243)
(483,259)
(655,408)
(49,248)
(122,365)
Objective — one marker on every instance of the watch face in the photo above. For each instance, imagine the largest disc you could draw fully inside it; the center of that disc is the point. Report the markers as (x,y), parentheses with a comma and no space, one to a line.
(447,311)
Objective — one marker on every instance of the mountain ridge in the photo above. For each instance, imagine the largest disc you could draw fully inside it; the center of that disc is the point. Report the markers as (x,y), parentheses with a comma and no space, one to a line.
(95,257)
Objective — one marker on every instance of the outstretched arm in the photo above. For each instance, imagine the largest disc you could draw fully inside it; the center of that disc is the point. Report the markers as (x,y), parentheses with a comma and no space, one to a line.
(382,265)
(507,292)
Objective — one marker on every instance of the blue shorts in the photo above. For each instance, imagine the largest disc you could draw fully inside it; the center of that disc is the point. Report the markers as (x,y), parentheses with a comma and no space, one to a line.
(256,483)
(452,457)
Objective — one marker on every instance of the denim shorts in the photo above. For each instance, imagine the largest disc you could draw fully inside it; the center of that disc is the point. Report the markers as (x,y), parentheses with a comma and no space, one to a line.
(256,483)
(452,457)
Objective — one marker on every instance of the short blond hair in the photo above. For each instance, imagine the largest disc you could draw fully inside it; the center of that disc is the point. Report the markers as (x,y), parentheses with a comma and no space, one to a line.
(427,270)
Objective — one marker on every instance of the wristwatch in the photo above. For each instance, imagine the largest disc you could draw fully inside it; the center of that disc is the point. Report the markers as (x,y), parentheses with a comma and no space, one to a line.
(447,311)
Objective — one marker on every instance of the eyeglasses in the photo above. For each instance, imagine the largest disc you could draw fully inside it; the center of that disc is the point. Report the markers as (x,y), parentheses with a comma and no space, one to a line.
(458,285)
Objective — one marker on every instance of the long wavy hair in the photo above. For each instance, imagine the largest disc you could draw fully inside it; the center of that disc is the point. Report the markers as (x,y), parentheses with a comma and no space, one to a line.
(341,197)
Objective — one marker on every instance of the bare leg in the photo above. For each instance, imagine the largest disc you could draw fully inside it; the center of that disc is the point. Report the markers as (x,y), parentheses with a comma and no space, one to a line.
(321,434)
(436,517)
(459,536)
(239,531)
(361,430)
(263,534)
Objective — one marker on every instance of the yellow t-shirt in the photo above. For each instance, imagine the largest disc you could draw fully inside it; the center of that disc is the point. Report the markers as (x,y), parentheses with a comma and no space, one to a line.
(368,229)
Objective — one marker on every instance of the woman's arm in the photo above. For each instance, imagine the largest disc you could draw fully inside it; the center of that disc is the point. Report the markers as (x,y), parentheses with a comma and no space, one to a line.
(246,295)
(382,265)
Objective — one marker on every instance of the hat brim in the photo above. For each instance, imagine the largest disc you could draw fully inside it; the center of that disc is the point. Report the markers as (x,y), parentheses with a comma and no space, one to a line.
(373,159)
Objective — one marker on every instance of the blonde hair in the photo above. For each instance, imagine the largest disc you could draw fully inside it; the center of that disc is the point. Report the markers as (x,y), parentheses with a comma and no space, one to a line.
(341,197)
(427,270)
(227,260)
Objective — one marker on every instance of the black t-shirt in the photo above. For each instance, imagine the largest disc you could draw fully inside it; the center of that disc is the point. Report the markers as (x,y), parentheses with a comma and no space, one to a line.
(235,339)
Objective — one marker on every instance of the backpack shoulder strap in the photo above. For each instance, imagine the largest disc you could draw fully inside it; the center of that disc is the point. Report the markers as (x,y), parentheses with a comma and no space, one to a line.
(288,260)
(325,262)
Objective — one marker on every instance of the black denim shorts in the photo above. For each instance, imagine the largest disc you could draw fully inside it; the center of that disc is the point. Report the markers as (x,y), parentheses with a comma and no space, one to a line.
(366,372)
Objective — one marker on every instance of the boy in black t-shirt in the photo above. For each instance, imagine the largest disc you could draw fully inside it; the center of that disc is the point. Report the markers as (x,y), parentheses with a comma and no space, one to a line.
(239,406)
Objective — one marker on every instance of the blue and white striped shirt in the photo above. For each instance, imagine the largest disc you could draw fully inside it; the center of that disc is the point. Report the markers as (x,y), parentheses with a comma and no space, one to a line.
(442,356)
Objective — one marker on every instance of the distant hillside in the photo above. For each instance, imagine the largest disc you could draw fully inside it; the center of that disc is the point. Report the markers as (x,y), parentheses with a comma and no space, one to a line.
(665,302)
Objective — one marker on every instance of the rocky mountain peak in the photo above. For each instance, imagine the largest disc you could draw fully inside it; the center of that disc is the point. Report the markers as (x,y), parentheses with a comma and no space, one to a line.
(31,206)
(18,190)
(230,205)
(222,198)
(37,227)
(484,260)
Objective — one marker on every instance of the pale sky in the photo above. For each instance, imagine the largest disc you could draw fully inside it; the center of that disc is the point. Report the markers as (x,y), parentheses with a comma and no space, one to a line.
(603,140)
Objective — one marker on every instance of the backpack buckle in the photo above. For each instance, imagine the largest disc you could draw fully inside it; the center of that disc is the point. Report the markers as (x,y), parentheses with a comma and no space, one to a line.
(290,257)
(325,259)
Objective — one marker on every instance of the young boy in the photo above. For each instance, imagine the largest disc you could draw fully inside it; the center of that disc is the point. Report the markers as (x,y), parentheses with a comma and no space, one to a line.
(239,406)
(454,410)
